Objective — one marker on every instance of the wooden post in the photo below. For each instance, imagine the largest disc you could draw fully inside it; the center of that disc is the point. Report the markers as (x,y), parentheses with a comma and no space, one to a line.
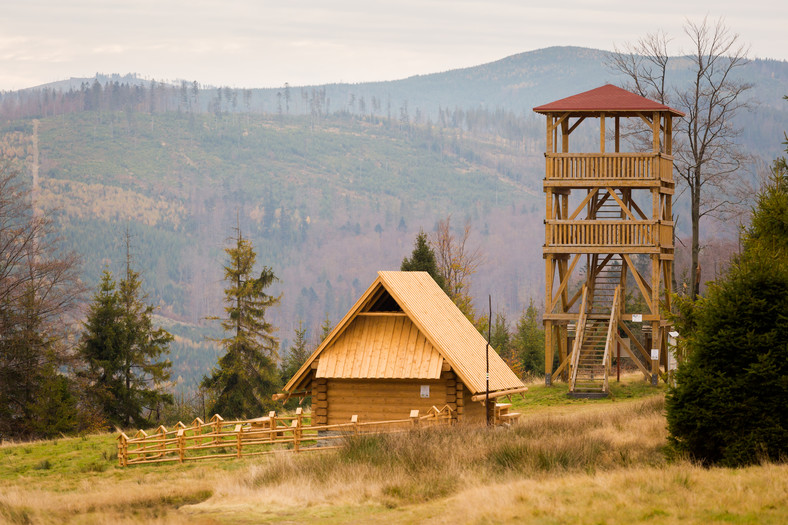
(354,420)
(181,444)
(272,424)
(617,134)
(602,133)
(414,417)
(565,136)
(299,424)
(296,441)
(123,448)
(197,429)
(216,423)
(162,432)
(548,352)
(239,437)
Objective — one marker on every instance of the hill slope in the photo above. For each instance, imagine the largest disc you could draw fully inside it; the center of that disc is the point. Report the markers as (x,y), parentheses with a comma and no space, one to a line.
(326,185)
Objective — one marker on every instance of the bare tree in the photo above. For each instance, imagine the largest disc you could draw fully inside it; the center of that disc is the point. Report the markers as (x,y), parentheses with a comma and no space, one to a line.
(39,292)
(707,154)
(456,262)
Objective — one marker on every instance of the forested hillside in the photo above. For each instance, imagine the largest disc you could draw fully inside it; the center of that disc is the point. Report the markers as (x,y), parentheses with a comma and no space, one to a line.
(330,183)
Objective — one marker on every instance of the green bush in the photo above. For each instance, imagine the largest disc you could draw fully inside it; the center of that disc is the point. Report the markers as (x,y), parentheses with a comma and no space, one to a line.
(729,405)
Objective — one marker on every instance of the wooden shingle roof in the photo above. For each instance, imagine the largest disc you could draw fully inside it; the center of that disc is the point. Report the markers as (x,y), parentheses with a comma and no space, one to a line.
(413,343)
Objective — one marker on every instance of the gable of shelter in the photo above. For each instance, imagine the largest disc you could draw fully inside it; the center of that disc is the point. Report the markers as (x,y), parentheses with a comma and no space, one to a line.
(405,326)
(381,346)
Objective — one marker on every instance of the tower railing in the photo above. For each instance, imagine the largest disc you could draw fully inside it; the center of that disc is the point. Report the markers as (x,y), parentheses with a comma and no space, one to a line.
(602,233)
(645,167)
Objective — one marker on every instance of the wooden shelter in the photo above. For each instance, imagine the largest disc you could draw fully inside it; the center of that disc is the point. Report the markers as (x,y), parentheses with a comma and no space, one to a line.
(403,346)
(604,208)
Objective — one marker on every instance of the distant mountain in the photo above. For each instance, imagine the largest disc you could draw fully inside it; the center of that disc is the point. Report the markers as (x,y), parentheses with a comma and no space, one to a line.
(331,183)
(76,84)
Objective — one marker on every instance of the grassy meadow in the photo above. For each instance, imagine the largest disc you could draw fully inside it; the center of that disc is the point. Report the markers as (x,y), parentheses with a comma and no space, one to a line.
(566,461)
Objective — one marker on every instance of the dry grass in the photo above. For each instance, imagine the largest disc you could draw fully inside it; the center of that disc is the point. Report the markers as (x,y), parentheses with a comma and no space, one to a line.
(420,466)
(581,463)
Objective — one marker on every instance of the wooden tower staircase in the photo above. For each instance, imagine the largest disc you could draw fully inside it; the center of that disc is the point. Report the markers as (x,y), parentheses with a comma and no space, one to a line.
(589,378)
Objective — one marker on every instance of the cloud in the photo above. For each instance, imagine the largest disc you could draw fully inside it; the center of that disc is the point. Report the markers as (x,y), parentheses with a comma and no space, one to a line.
(266,43)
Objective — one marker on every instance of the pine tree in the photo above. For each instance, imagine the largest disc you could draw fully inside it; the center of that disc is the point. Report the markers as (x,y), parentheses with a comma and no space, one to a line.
(246,375)
(423,260)
(124,369)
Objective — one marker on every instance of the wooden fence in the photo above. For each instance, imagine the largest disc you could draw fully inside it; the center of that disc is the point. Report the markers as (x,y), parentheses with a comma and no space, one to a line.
(253,437)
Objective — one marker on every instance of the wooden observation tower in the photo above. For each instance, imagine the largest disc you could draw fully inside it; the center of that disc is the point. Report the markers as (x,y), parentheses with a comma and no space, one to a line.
(608,219)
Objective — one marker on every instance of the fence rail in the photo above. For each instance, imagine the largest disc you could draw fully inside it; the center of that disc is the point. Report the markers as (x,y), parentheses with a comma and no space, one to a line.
(253,437)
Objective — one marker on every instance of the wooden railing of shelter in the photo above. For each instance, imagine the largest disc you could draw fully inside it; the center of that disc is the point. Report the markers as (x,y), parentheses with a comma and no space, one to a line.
(220,439)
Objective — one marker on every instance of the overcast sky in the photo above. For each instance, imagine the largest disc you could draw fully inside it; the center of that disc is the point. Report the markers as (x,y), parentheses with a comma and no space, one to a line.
(261,43)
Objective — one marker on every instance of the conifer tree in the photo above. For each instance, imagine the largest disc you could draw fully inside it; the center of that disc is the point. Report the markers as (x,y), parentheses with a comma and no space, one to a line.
(39,290)
(297,354)
(325,328)
(124,369)
(529,340)
(423,260)
(246,375)
(500,338)
(728,406)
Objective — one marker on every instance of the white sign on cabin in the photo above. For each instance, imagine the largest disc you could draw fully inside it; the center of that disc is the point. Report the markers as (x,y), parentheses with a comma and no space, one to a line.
(425,390)
(637,318)
(654,354)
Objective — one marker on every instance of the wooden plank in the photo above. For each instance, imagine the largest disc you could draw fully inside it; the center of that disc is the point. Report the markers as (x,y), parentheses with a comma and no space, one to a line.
(574,126)
(633,339)
(588,197)
(564,282)
(624,208)
(635,360)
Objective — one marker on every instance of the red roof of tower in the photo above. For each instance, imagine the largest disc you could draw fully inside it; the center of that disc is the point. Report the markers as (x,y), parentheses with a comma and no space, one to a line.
(609,99)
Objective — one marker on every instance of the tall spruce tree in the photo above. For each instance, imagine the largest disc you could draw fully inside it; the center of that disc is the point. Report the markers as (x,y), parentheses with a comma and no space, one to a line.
(423,260)
(247,374)
(123,353)
(729,403)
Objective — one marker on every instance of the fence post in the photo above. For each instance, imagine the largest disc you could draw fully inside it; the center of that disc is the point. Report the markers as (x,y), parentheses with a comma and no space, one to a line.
(197,429)
(123,444)
(354,420)
(239,431)
(139,434)
(216,423)
(414,417)
(181,444)
(296,426)
(272,424)
(162,432)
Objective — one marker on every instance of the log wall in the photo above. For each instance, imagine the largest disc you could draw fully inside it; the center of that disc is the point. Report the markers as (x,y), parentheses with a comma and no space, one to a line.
(380,399)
